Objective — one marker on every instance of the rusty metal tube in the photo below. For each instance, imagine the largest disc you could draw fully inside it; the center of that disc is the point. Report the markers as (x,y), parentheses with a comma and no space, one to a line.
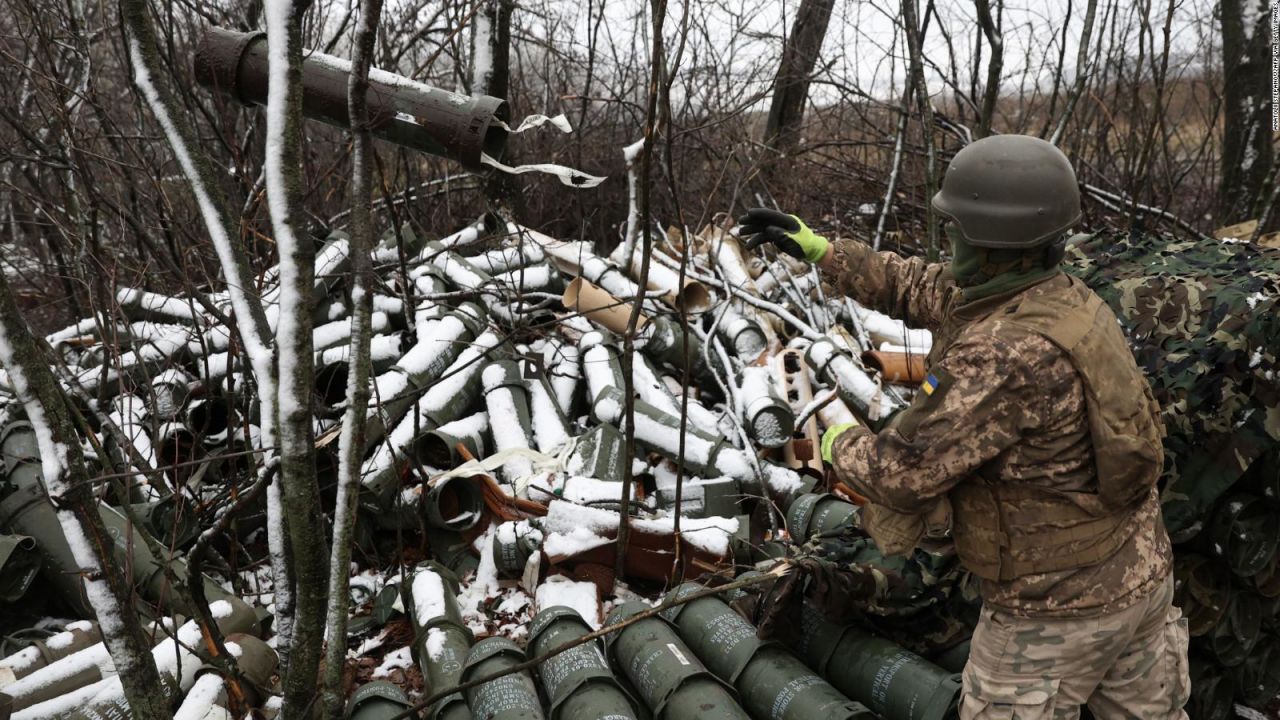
(401,110)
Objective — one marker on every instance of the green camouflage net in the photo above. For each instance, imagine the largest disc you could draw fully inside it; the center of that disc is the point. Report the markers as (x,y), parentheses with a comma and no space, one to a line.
(1202,320)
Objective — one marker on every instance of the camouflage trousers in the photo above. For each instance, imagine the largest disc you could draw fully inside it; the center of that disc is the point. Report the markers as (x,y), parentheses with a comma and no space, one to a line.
(1127,664)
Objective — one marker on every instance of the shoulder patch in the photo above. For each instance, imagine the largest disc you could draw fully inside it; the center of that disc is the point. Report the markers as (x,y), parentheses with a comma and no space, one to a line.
(930,384)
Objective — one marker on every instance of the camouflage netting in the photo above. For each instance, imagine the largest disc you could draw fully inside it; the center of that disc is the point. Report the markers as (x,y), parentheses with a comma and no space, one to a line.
(1202,319)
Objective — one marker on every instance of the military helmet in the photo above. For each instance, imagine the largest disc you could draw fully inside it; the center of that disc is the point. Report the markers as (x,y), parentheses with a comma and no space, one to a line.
(1010,191)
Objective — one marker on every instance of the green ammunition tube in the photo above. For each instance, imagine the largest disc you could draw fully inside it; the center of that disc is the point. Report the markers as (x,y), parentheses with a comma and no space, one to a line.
(1212,692)
(169,520)
(439,448)
(670,679)
(577,682)
(772,682)
(441,639)
(507,401)
(454,504)
(665,341)
(768,417)
(19,564)
(1238,632)
(378,700)
(599,453)
(41,653)
(817,513)
(1258,679)
(510,697)
(512,549)
(894,683)
(660,432)
(1244,533)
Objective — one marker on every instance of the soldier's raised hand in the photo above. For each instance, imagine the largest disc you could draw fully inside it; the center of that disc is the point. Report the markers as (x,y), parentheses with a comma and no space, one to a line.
(787,232)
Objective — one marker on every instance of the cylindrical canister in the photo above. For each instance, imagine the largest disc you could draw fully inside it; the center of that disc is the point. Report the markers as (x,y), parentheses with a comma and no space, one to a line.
(401,110)
(577,682)
(510,697)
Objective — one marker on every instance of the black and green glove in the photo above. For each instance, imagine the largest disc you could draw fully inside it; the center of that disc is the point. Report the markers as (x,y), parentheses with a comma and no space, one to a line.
(788,232)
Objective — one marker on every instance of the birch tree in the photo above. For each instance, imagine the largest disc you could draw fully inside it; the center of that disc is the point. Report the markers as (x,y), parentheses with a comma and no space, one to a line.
(791,86)
(300,493)
(66,480)
(352,440)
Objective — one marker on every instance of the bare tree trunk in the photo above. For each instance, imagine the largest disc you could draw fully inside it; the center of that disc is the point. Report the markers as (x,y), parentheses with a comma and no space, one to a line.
(1246,111)
(1082,72)
(351,442)
(910,18)
(251,319)
(491,75)
(68,485)
(991,28)
(791,85)
(298,487)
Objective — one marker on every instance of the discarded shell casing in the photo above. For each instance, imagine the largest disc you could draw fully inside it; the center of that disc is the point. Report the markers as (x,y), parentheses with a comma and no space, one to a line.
(441,640)
(661,432)
(768,417)
(563,372)
(817,513)
(602,366)
(540,277)
(169,391)
(507,400)
(691,296)
(599,453)
(507,259)
(791,375)
(1245,533)
(378,700)
(442,403)
(1212,693)
(19,565)
(401,110)
(456,504)
(855,386)
(897,367)
(1258,679)
(1202,591)
(743,334)
(550,429)
(27,511)
(512,549)
(598,306)
(894,683)
(510,697)
(772,682)
(170,520)
(1238,632)
(78,636)
(670,679)
(210,419)
(207,698)
(665,340)
(440,342)
(439,448)
(577,682)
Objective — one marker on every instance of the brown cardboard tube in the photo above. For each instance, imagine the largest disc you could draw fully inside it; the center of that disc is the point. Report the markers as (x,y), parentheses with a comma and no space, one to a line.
(897,367)
(599,306)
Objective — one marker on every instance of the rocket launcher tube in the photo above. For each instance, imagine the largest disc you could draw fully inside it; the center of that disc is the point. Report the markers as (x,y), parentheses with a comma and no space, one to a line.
(665,672)
(772,682)
(577,682)
(510,697)
(507,400)
(403,111)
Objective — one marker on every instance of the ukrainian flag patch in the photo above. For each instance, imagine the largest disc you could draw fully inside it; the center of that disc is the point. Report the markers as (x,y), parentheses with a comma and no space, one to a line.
(930,384)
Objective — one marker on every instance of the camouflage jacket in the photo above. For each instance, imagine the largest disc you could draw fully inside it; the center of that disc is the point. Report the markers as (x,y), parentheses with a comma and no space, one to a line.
(1009,403)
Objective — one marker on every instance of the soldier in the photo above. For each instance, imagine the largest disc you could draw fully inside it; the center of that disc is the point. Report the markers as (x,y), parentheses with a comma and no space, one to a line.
(1034,438)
